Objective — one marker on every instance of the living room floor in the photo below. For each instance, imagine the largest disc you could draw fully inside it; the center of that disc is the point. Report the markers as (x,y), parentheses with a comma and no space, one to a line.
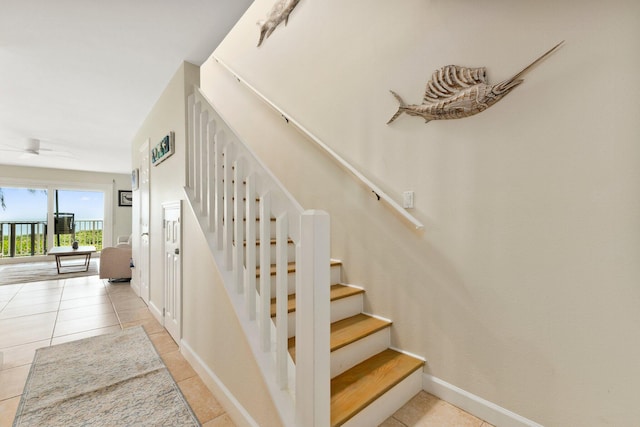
(41,314)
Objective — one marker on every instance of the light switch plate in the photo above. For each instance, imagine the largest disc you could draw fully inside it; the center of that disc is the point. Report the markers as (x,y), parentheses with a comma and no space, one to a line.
(408,200)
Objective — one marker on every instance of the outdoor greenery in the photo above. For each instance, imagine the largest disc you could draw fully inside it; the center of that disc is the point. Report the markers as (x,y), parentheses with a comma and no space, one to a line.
(23,243)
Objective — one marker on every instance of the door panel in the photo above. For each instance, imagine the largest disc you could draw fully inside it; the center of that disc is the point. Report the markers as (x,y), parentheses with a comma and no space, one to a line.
(172,269)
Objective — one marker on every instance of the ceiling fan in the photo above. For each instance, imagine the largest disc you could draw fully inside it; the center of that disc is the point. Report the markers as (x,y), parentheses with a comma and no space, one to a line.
(32,148)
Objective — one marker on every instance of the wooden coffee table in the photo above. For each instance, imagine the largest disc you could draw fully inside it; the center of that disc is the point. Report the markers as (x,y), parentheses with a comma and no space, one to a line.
(68,251)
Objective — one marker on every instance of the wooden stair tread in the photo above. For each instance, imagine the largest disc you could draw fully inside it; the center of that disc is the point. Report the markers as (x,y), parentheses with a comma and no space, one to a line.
(347,331)
(272,242)
(359,386)
(291,267)
(336,292)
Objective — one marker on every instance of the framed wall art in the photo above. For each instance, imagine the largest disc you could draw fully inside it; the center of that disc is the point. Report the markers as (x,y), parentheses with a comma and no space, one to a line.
(163,150)
(125,198)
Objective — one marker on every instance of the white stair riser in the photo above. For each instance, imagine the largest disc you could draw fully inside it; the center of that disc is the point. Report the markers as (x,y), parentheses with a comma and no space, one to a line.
(340,309)
(346,307)
(387,404)
(291,253)
(291,280)
(272,229)
(359,351)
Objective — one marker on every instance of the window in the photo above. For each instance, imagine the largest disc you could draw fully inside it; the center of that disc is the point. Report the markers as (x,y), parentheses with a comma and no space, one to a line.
(37,217)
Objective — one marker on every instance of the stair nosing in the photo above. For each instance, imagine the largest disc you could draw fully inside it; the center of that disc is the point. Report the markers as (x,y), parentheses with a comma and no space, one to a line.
(412,365)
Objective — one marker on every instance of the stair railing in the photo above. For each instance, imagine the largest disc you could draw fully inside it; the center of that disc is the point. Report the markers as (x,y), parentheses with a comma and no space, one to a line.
(357,175)
(230,192)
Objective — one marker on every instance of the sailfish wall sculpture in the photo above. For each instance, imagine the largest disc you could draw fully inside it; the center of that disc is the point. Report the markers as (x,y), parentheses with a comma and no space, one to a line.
(455,92)
(279,13)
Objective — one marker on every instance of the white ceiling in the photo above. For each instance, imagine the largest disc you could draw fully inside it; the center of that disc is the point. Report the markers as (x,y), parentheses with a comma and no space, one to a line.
(81,76)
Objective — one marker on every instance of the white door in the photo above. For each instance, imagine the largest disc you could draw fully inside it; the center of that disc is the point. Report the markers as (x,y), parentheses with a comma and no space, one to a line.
(172,269)
(143,262)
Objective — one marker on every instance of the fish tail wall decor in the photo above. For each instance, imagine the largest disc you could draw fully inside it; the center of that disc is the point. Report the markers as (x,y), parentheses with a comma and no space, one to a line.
(279,13)
(455,92)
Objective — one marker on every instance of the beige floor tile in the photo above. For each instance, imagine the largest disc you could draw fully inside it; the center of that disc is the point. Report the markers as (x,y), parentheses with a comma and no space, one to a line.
(26,329)
(21,354)
(85,324)
(10,289)
(82,292)
(204,405)
(222,421)
(12,310)
(85,334)
(391,422)
(8,409)
(12,381)
(151,325)
(486,424)
(425,409)
(119,287)
(127,316)
(86,311)
(179,368)
(84,280)
(128,303)
(20,337)
(47,284)
(28,292)
(20,301)
(84,301)
(163,342)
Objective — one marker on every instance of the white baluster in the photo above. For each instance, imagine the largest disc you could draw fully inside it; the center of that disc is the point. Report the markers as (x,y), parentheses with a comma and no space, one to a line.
(238,225)
(197,151)
(189,172)
(251,249)
(211,174)
(219,189)
(282,341)
(265,271)
(228,207)
(204,123)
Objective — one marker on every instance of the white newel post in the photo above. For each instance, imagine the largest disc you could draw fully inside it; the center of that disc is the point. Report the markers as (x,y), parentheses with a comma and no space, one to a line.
(312,321)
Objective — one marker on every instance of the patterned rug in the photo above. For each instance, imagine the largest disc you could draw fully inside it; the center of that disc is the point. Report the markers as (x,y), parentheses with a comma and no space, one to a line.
(109,380)
(37,271)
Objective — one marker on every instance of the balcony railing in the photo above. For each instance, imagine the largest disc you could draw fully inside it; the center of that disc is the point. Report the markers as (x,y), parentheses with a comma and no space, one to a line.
(28,238)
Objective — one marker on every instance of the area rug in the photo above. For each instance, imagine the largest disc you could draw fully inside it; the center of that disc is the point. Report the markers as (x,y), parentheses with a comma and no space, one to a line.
(109,380)
(37,271)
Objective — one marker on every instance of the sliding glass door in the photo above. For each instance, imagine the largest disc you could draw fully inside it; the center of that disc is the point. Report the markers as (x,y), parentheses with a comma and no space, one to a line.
(34,218)
(23,222)
(78,215)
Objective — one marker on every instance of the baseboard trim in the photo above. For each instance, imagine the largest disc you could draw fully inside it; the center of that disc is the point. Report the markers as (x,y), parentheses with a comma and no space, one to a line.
(234,409)
(475,405)
(156,312)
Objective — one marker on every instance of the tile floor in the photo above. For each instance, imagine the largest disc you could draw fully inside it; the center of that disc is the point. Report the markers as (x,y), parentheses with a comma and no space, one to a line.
(40,314)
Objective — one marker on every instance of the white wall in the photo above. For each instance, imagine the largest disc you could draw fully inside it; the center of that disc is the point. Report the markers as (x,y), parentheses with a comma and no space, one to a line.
(209,325)
(523,289)
(121,216)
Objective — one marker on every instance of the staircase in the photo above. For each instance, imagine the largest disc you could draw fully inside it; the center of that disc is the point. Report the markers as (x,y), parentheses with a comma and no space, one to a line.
(324,360)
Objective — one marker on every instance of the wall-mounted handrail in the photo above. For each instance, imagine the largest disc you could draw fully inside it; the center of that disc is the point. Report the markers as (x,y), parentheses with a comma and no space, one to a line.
(342,162)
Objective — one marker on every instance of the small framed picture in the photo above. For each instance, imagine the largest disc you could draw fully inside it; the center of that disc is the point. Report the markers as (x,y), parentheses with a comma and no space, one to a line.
(163,150)
(134,179)
(125,198)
